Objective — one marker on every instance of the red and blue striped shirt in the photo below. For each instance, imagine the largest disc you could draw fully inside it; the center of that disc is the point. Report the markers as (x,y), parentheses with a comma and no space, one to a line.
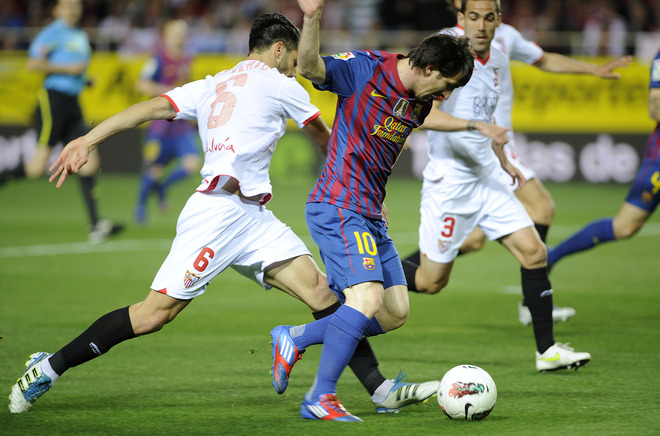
(375,114)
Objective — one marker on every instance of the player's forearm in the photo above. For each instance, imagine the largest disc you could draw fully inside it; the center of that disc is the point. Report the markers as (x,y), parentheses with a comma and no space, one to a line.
(557,63)
(310,63)
(654,104)
(444,122)
(319,133)
(158,108)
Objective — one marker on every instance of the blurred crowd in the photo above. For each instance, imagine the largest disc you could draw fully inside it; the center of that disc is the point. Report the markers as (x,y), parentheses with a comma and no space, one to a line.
(605,27)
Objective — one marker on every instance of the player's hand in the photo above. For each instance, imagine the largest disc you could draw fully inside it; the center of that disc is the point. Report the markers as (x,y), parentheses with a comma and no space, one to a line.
(515,173)
(310,7)
(606,71)
(70,160)
(497,133)
(385,213)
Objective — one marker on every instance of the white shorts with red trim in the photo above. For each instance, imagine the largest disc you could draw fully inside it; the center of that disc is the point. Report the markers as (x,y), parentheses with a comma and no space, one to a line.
(219,230)
(450,212)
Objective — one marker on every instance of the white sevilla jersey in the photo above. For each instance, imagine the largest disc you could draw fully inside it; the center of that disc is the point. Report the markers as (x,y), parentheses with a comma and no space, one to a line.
(514,46)
(241,113)
(462,157)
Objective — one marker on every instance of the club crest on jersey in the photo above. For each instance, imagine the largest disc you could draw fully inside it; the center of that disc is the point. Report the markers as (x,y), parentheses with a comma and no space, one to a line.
(401,107)
(496,76)
(416,112)
(189,279)
(443,245)
(368,263)
(344,56)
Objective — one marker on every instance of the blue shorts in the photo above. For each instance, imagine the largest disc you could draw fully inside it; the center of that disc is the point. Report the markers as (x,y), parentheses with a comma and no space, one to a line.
(645,190)
(355,249)
(162,149)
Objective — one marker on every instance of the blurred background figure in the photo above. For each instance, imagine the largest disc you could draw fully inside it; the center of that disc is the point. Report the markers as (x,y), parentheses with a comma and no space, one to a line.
(62,51)
(604,31)
(643,197)
(165,141)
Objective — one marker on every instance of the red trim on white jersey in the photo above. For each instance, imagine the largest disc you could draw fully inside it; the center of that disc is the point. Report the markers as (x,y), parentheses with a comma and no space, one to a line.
(162,291)
(313,117)
(482,61)
(542,56)
(176,108)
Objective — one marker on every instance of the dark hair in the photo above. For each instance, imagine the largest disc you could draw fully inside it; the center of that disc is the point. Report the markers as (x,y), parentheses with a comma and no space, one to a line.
(271,28)
(497,6)
(447,54)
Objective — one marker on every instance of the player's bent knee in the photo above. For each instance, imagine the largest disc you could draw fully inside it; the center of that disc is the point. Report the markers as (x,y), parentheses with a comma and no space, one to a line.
(433,286)
(534,256)
(151,324)
(471,245)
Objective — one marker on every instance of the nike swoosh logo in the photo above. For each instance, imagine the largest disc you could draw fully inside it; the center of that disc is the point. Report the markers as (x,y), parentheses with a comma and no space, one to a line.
(375,94)
(552,359)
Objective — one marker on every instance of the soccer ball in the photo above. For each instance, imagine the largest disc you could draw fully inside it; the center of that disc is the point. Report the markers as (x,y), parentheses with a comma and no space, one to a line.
(467,392)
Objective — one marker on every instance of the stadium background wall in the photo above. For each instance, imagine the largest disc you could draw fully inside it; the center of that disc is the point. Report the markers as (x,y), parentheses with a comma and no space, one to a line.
(568,127)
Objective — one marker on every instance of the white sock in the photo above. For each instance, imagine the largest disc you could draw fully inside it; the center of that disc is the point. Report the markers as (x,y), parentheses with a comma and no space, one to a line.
(48,370)
(382,391)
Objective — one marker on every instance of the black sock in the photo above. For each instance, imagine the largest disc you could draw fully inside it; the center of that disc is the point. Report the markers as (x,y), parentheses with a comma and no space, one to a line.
(537,291)
(363,363)
(327,311)
(87,185)
(410,265)
(106,332)
(415,258)
(543,230)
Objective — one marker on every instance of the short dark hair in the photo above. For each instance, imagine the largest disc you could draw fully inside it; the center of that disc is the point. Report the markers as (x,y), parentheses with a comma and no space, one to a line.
(447,54)
(464,4)
(271,28)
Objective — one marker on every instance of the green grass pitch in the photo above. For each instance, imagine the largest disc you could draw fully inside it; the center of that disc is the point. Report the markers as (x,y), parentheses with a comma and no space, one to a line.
(208,371)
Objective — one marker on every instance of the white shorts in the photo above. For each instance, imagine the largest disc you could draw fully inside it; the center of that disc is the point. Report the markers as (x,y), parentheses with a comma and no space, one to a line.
(450,212)
(511,155)
(219,230)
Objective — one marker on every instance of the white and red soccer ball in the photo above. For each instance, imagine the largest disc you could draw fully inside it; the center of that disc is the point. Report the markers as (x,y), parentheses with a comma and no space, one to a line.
(467,392)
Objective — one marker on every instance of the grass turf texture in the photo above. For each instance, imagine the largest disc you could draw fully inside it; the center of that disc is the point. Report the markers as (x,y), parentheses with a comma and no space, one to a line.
(208,371)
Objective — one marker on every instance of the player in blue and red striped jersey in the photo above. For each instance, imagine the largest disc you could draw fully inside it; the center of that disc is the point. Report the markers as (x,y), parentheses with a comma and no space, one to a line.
(381,97)
(166,141)
(643,196)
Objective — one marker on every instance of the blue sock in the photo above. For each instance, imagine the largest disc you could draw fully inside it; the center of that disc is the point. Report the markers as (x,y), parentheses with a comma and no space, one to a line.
(342,335)
(373,328)
(591,235)
(146,185)
(176,175)
(309,334)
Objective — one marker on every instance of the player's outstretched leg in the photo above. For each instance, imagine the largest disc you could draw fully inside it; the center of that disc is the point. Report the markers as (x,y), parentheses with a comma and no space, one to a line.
(328,408)
(32,384)
(285,355)
(561,356)
(404,394)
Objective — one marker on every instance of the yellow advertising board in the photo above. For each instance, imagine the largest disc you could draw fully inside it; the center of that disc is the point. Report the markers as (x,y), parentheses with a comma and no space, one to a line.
(570,103)
(544,102)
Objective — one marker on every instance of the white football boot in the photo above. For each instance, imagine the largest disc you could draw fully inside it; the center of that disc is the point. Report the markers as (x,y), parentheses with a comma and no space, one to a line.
(404,394)
(561,356)
(32,385)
